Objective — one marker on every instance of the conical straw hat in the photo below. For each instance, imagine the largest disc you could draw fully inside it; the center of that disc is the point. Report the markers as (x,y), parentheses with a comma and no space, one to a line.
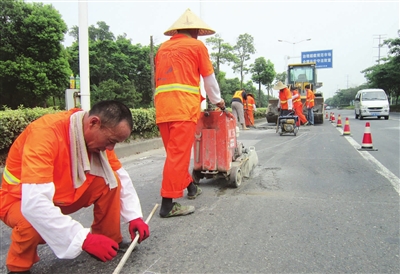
(279,86)
(189,20)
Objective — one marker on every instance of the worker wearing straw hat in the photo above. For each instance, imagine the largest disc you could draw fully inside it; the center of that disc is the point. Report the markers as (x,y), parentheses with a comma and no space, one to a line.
(285,104)
(180,62)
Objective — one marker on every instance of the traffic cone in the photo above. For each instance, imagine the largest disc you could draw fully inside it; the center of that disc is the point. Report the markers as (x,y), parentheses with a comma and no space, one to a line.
(339,121)
(367,139)
(346,129)
(330,116)
(333,118)
(326,115)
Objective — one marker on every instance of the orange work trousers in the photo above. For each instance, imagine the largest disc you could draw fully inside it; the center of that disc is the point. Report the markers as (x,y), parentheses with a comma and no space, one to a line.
(22,253)
(249,117)
(178,138)
(298,108)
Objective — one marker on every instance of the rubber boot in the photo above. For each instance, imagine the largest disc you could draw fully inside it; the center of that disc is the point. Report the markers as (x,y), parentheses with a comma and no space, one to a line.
(166,206)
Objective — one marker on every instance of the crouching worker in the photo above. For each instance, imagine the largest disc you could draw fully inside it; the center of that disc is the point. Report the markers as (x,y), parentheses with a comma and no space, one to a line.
(59,164)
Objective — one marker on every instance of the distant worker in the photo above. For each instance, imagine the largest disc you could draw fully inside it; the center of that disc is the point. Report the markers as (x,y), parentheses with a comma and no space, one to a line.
(59,164)
(310,104)
(249,109)
(297,105)
(179,63)
(285,104)
(237,105)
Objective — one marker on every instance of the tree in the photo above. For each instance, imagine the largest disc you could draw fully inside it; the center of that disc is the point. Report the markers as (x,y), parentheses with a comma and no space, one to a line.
(33,62)
(243,48)
(263,73)
(222,52)
(117,60)
(387,74)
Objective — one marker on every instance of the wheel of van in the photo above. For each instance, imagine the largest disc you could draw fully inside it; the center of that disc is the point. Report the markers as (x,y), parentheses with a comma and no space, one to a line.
(386,117)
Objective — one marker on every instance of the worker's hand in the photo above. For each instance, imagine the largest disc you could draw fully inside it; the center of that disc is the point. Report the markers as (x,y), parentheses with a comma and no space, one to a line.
(100,246)
(221,104)
(141,227)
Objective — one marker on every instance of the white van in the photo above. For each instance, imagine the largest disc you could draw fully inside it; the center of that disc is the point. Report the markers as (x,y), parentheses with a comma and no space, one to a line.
(371,102)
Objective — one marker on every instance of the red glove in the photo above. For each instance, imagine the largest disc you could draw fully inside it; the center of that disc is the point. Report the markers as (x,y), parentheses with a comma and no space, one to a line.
(100,246)
(140,226)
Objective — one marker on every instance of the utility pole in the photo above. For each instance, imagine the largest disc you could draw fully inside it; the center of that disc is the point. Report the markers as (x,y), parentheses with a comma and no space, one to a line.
(379,37)
(153,85)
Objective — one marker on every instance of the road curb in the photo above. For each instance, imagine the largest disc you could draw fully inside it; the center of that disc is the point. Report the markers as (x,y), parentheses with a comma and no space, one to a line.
(135,147)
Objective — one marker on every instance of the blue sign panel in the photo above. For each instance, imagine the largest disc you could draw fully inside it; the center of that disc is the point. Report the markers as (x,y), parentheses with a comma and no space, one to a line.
(323,58)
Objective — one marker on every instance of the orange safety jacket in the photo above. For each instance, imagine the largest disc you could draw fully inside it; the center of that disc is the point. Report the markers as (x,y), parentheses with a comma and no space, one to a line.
(31,161)
(179,62)
(284,96)
(250,103)
(296,98)
(310,98)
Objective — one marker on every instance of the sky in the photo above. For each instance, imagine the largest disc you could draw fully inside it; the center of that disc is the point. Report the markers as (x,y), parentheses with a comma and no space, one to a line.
(353,30)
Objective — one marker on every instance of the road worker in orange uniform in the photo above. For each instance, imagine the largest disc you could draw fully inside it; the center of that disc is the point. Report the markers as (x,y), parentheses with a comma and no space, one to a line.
(250,108)
(59,164)
(179,64)
(285,104)
(310,104)
(298,106)
(238,101)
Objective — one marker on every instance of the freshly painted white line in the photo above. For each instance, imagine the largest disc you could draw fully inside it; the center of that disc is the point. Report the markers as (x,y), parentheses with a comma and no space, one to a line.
(381,169)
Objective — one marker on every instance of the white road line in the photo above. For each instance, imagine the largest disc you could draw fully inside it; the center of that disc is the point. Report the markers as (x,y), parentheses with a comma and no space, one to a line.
(381,169)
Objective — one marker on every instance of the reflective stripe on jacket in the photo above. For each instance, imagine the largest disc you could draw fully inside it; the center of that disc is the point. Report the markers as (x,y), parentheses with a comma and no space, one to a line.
(284,96)
(310,98)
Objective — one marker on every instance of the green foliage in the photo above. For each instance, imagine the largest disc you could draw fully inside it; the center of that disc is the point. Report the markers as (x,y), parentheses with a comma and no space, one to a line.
(387,74)
(243,49)
(222,52)
(111,90)
(113,64)
(33,64)
(263,73)
(13,122)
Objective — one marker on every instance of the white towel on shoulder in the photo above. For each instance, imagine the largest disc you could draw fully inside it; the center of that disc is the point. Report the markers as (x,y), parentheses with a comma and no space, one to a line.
(80,165)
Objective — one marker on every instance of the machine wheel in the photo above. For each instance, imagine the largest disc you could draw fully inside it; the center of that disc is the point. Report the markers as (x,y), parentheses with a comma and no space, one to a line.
(236,177)
(196,176)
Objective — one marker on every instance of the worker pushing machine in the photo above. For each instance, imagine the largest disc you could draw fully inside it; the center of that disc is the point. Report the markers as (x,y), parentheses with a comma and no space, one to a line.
(285,104)
(297,105)
(59,164)
(179,63)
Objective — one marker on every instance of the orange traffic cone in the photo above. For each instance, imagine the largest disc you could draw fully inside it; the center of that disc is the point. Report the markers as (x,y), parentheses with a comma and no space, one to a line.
(367,139)
(330,116)
(326,115)
(333,118)
(339,121)
(346,129)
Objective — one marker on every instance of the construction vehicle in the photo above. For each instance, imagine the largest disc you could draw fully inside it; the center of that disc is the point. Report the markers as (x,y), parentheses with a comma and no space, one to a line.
(301,75)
